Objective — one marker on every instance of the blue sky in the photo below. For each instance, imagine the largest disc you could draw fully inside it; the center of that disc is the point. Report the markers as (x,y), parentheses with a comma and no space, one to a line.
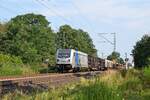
(128,18)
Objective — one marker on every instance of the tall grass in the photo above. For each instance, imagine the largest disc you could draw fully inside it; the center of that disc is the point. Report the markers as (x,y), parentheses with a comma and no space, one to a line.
(112,85)
(7,70)
(97,90)
(12,65)
(146,72)
(15,70)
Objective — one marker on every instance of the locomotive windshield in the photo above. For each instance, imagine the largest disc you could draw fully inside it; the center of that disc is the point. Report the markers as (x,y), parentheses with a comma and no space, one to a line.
(64,53)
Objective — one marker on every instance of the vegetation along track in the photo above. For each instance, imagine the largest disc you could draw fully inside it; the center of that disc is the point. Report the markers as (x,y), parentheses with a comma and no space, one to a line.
(41,82)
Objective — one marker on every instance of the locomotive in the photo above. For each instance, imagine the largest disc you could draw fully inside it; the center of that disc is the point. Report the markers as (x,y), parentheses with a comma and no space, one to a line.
(70,59)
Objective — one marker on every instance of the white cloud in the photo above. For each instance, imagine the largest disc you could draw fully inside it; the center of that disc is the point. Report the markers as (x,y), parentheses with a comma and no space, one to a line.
(111,12)
(102,11)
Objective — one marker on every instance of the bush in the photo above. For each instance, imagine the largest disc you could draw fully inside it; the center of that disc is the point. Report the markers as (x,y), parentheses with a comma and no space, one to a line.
(7,70)
(132,73)
(51,69)
(146,77)
(97,90)
(10,65)
(146,72)
(39,68)
(123,73)
(131,86)
(11,70)
(136,84)
(9,59)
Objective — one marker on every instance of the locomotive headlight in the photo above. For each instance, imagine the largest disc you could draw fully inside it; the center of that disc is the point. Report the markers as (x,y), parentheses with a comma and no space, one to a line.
(57,60)
(68,60)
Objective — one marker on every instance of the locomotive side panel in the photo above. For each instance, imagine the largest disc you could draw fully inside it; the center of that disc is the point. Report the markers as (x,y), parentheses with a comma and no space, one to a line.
(79,59)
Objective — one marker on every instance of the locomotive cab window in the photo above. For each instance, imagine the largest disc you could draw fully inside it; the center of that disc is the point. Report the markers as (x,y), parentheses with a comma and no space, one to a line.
(64,53)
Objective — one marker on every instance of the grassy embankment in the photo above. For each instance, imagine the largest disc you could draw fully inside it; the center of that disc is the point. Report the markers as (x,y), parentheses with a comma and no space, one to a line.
(13,66)
(124,85)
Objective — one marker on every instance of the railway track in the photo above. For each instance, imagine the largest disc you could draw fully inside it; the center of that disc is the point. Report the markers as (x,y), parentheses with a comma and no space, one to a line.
(41,82)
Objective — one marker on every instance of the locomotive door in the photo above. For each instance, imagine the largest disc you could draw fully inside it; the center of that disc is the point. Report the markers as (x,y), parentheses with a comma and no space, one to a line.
(76,59)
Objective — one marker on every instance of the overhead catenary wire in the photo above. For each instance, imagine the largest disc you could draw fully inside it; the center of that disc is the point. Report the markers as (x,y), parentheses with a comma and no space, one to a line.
(83,16)
(53,11)
(14,12)
(88,22)
(107,40)
(79,12)
(7,9)
(62,17)
(54,5)
(11,10)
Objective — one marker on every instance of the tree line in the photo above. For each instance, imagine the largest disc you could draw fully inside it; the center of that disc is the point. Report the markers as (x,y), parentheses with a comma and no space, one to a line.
(31,38)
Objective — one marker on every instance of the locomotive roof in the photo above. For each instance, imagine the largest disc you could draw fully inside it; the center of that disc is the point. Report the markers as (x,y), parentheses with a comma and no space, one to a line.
(75,51)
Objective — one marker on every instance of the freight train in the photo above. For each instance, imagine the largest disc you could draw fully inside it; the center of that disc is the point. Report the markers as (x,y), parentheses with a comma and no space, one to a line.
(70,59)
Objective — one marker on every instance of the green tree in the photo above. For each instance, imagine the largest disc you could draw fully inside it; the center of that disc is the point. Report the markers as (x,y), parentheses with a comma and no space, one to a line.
(86,43)
(141,52)
(3,37)
(30,37)
(67,37)
(3,27)
(115,56)
(121,61)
